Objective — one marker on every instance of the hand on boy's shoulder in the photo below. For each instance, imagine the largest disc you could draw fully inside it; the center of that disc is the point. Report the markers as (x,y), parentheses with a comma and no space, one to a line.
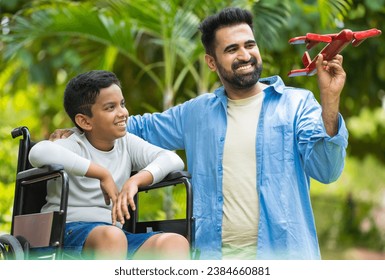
(61,133)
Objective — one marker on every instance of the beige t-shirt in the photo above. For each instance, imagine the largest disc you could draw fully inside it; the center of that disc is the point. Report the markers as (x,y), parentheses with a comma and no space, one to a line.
(241,204)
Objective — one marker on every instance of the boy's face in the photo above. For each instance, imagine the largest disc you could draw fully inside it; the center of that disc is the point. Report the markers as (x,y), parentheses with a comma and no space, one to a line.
(109,116)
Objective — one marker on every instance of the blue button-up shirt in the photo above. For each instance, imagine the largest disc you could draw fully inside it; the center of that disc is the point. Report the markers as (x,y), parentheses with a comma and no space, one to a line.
(291,146)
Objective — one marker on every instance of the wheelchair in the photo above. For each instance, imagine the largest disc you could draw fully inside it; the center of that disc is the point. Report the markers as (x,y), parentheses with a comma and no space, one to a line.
(31,229)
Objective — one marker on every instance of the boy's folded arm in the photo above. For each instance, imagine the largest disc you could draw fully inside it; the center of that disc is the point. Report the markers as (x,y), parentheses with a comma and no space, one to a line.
(46,152)
(164,163)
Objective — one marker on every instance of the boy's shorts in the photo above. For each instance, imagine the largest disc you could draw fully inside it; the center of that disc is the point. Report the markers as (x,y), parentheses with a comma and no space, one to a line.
(76,234)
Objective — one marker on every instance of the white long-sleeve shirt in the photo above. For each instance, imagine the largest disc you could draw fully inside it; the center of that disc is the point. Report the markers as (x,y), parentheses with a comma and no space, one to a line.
(85,201)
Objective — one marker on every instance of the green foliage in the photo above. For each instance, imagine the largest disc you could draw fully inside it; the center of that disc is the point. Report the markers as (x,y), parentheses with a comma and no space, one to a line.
(332,13)
(25,106)
(367,131)
(349,212)
(154,48)
(8,154)
(6,204)
(270,17)
(158,199)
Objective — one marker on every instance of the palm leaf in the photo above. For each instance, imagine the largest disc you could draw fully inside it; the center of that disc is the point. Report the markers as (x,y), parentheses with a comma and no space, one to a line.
(73,20)
(333,11)
(169,26)
(269,18)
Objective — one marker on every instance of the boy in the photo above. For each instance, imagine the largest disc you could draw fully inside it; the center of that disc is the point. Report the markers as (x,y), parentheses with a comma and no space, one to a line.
(99,158)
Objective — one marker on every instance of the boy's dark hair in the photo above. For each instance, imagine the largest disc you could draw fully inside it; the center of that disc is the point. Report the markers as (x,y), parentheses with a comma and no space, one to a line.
(81,91)
(226,17)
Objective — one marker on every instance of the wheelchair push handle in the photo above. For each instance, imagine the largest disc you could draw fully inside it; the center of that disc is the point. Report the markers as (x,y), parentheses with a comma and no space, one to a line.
(20,131)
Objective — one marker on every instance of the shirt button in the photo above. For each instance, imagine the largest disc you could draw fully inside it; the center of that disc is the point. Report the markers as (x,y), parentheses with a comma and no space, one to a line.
(220,198)
(222,139)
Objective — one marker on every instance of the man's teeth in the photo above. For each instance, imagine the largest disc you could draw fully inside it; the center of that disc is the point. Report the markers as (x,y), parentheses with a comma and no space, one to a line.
(244,67)
(121,124)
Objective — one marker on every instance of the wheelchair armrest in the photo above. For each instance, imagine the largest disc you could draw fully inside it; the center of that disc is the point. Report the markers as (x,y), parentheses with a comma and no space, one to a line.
(47,172)
(172,178)
(177,175)
(43,172)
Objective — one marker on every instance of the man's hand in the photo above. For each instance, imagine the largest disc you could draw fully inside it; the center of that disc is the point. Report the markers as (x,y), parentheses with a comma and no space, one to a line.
(331,75)
(331,80)
(60,134)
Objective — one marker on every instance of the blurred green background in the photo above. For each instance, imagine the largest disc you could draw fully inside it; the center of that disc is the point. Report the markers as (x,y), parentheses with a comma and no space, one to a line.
(154,48)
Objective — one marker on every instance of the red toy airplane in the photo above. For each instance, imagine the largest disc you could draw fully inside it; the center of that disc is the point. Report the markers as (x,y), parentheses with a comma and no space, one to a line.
(335,44)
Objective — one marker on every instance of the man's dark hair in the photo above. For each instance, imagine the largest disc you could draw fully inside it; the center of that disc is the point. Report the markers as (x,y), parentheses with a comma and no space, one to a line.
(226,17)
(81,91)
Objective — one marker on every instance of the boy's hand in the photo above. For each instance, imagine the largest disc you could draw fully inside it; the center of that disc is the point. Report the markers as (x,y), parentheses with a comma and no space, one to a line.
(126,198)
(107,185)
(110,193)
(128,192)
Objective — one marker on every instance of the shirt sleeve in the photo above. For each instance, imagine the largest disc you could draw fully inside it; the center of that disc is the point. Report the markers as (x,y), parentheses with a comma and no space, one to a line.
(157,161)
(164,129)
(164,163)
(323,156)
(48,152)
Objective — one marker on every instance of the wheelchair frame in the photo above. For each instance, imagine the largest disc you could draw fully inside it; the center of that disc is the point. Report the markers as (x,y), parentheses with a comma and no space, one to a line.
(48,228)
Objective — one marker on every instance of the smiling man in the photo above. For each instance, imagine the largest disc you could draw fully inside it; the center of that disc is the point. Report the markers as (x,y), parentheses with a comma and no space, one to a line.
(238,61)
(252,146)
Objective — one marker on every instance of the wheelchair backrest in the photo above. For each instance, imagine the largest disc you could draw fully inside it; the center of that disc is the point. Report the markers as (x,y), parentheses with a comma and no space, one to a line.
(31,199)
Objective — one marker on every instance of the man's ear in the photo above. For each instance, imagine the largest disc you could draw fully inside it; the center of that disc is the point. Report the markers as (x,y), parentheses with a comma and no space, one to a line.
(211,62)
(83,121)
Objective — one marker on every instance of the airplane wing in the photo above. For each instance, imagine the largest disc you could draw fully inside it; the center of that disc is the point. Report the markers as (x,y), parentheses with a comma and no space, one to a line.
(335,44)
(360,36)
(311,39)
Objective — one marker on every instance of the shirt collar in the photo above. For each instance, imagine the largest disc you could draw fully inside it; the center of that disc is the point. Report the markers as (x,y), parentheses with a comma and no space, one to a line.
(275,84)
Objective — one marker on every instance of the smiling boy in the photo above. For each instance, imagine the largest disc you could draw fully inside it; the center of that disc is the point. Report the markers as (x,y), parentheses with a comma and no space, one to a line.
(99,158)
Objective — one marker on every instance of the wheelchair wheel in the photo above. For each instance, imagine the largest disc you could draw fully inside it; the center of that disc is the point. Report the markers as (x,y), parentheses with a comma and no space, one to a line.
(24,245)
(10,248)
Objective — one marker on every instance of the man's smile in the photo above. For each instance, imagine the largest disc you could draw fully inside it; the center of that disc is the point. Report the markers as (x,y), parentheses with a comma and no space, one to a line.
(245,67)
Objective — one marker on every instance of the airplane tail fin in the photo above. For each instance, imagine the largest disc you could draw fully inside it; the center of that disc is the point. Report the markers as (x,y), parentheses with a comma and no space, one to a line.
(297,72)
(307,71)
(306,59)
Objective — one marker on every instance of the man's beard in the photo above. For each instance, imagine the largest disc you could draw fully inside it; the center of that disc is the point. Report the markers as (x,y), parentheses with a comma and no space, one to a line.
(241,81)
